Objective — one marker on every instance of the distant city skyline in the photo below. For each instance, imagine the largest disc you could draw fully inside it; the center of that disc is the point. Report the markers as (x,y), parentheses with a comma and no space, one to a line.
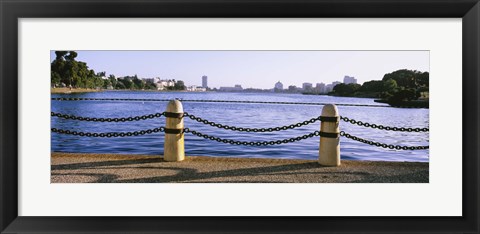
(254,69)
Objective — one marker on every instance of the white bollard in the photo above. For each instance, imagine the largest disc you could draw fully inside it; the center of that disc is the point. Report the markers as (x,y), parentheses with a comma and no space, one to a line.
(174,148)
(329,150)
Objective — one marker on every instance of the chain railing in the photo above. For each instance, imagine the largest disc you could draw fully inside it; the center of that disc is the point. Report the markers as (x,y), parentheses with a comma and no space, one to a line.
(381,127)
(252,143)
(109,134)
(383,145)
(92,119)
(244,129)
(235,128)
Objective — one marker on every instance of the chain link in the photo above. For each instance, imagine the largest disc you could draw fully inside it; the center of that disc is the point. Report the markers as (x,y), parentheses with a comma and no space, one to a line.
(252,143)
(383,145)
(91,119)
(109,134)
(381,127)
(242,129)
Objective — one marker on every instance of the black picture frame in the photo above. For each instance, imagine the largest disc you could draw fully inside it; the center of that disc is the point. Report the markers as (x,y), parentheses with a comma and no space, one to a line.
(11,11)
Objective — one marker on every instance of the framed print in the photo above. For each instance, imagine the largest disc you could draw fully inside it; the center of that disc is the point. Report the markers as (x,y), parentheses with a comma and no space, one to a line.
(228,116)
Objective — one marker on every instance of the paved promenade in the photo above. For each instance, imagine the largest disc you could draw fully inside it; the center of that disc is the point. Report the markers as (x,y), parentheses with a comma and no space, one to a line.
(115,168)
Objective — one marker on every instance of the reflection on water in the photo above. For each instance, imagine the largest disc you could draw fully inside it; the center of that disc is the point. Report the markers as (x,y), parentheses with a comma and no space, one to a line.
(241,115)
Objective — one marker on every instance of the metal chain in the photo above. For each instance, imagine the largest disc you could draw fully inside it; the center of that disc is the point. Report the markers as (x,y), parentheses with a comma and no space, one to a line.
(383,145)
(111,99)
(252,143)
(109,134)
(242,129)
(135,118)
(233,142)
(381,127)
(214,101)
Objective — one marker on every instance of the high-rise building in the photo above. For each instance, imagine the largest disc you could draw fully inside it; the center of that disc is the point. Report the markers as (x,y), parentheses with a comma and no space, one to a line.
(205,81)
(320,88)
(278,86)
(292,88)
(349,80)
(328,88)
(307,86)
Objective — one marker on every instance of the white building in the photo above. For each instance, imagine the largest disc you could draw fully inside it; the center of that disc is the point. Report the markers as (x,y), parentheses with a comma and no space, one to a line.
(160,86)
(349,80)
(278,86)
(231,89)
(195,88)
(163,84)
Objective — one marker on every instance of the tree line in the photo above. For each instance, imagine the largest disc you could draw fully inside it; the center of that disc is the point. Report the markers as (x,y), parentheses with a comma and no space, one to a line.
(67,71)
(398,86)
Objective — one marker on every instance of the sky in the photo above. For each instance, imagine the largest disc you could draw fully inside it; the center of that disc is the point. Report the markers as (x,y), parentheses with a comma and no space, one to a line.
(254,69)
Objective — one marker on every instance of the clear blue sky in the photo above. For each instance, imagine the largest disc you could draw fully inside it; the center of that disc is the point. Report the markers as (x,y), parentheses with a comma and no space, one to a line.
(258,69)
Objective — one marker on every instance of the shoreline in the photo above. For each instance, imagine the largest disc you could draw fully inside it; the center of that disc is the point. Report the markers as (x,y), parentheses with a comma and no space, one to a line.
(69,91)
(125,168)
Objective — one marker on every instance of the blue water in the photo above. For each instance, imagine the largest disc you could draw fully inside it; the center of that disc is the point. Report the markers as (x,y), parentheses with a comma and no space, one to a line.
(241,115)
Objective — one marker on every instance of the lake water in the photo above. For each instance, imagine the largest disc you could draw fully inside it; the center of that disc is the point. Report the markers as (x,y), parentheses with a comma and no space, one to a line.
(241,115)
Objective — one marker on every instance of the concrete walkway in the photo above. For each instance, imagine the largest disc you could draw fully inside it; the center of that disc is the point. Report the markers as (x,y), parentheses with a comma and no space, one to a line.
(114,168)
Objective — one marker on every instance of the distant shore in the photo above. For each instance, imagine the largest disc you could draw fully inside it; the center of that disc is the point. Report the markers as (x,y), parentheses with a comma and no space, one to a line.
(406,104)
(81,90)
(68,90)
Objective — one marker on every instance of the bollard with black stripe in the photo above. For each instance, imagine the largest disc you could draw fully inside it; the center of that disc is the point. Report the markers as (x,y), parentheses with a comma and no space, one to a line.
(174,147)
(329,150)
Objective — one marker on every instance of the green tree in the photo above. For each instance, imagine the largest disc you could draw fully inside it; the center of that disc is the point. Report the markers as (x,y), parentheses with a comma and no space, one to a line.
(346,89)
(372,86)
(60,55)
(55,79)
(407,78)
(73,73)
(403,95)
(138,83)
(127,83)
(57,68)
(423,79)
(106,83)
(120,85)
(389,85)
(113,81)
(71,56)
(179,85)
